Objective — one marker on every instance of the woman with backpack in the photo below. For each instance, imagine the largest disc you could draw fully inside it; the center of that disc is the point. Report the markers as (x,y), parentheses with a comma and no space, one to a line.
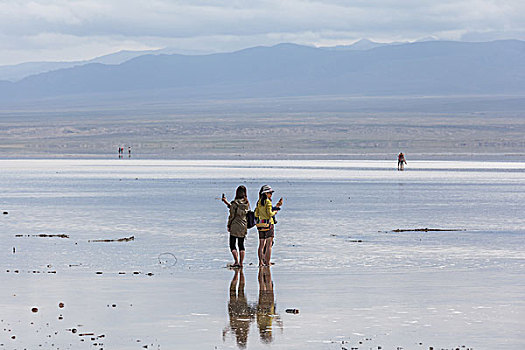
(237,224)
(265,212)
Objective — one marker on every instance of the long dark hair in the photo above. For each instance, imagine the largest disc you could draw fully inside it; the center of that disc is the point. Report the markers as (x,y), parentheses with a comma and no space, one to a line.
(241,192)
(262,197)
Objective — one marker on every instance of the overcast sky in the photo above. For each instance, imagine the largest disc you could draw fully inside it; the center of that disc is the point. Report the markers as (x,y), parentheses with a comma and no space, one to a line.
(66,30)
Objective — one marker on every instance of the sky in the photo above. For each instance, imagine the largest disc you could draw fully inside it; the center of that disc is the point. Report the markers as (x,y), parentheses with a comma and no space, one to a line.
(69,30)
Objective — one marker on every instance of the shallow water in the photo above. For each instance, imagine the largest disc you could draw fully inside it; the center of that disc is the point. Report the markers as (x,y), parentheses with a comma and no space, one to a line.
(336,257)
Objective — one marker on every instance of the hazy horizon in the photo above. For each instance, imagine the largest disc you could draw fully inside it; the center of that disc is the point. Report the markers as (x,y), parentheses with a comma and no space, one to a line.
(58,30)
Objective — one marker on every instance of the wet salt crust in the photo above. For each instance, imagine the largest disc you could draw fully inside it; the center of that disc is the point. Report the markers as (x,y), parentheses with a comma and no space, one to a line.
(355,281)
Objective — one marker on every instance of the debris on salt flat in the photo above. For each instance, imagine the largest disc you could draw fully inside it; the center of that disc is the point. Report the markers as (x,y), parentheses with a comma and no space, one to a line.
(58,235)
(427,229)
(125,239)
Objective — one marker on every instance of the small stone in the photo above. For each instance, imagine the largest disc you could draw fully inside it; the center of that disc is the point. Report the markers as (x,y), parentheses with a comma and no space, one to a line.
(61,305)
(35,309)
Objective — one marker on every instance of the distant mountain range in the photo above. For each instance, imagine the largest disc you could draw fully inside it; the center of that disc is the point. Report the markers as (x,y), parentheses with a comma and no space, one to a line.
(363,44)
(19,71)
(422,68)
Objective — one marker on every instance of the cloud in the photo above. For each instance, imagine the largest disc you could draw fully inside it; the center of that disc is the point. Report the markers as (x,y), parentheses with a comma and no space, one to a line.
(206,25)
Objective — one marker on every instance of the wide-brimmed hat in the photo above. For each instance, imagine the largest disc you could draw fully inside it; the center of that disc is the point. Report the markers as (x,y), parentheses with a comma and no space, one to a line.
(266,189)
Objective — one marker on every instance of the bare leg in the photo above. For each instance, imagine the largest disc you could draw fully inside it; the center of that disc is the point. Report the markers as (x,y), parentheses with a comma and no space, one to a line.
(268,242)
(235,257)
(241,257)
(260,252)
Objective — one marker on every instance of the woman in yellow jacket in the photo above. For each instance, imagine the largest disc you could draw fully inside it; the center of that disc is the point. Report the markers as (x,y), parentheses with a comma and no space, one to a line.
(264,212)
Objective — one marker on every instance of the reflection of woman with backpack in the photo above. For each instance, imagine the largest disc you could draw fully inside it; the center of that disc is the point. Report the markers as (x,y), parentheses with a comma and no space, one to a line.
(264,212)
(237,224)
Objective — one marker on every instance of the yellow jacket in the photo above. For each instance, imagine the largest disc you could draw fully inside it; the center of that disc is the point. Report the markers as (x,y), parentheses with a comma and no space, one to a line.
(264,214)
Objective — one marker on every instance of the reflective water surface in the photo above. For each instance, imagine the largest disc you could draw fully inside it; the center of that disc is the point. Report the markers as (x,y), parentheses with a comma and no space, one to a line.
(355,281)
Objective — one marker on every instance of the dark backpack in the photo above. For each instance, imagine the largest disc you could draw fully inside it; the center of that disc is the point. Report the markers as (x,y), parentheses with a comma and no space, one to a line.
(250,218)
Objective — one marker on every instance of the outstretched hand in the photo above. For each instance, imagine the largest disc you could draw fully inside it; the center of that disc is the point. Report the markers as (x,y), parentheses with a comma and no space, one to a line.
(225,201)
(280,203)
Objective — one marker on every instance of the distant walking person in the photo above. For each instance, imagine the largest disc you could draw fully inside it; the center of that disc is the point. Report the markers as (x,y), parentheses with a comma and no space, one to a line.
(129,152)
(264,212)
(401,161)
(238,225)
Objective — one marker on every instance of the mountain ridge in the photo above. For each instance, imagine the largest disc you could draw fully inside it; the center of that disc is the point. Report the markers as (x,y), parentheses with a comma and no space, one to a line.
(433,67)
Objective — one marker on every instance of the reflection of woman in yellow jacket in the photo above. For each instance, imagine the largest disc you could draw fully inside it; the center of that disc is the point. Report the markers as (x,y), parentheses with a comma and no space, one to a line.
(266,305)
(264,212)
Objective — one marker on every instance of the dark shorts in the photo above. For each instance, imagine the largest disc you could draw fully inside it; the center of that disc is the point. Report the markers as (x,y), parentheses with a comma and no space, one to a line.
(266,234)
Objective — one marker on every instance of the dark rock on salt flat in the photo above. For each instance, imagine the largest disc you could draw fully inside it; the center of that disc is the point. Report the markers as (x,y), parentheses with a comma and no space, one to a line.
(292,311)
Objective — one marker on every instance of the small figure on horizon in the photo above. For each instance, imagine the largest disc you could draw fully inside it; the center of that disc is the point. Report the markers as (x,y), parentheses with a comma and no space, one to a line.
(129,152)
(120,152)
(401,161)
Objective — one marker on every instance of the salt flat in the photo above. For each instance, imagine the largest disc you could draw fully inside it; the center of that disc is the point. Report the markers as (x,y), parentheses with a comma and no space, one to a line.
(305,127)
(356,282)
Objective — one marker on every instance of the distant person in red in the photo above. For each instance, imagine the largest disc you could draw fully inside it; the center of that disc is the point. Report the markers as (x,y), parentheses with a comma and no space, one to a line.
(401,161)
